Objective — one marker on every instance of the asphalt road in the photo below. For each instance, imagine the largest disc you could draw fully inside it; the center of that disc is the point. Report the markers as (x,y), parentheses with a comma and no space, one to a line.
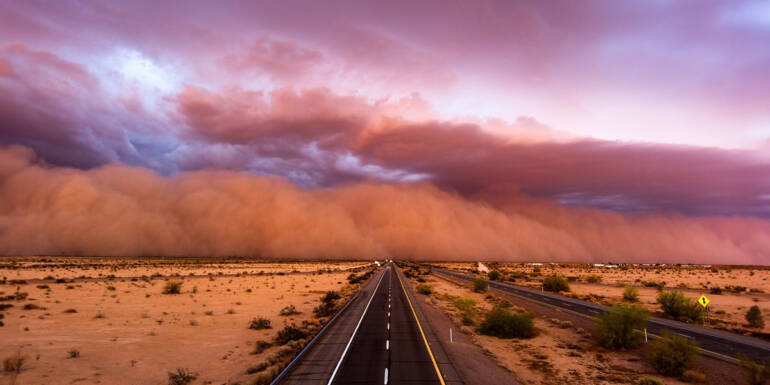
(375,341)
(716,343)
(388,348)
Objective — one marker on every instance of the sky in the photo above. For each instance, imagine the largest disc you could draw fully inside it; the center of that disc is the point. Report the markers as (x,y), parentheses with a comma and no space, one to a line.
(556,130)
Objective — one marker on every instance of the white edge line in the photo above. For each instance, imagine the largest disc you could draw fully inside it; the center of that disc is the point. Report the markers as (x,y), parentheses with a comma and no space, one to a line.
(350,341)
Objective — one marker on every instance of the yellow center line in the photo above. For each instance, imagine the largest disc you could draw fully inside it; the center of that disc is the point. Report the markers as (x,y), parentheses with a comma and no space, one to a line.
(425,340)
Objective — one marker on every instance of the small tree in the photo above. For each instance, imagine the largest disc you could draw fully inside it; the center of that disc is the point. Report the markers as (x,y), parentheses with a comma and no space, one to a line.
(754,317)
(631,294)
(754,373)
(555,283)
(494,275)
(672,355)
(480,285)
(619,326)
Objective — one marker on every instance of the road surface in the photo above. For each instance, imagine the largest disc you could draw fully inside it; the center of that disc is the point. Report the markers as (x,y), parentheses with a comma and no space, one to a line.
(378,340)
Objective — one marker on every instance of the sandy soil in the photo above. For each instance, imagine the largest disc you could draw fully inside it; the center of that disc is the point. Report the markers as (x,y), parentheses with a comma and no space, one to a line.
(68,268)
(742,287)
(561,353)
(145,334)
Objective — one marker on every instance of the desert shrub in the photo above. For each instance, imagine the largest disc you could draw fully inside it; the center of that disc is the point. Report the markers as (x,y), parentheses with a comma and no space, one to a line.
(267,376)
(257,368)
(71,310)
(754,373)
(325,309)
(182,376)
(467,307)
(631,294)
(678,306)
(480,285)
(31,306)
(671,354)
(715,290)
(649,381)
(501,322)
(73,353)
(655,284)
(555,283)
(259,323)
(330,296)
(14,363)
(172,287)
(289,333)
(693,376)
(288,310)
(754,317)
(619,326)
(424,289)
(260,346)
(593,278)
(494,275)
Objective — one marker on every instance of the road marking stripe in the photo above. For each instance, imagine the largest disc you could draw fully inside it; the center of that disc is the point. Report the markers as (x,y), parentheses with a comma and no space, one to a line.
(344,352)
(419,326)
(386,376)
(387,344)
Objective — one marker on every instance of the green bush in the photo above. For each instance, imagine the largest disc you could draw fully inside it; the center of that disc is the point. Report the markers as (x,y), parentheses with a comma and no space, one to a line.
(754,373)
(501,322)
(494,275)
(593,278)
(678,306)
(424,289)
(555,283)
(649,381)
(619,326)
(754,317)
(671,354)
(480,285)
(631,294)
(172,287)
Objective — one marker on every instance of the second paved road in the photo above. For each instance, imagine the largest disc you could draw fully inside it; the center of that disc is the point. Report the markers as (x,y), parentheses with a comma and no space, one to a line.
(388,347)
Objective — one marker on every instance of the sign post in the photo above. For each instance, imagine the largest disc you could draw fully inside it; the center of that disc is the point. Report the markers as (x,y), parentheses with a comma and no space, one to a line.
(703,301)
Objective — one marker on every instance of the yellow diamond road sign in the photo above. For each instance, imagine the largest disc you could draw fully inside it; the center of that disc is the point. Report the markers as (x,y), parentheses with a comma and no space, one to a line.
(703,301)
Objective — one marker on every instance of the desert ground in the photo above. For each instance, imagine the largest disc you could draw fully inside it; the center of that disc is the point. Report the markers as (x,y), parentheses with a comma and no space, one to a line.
(731,290)
(560,353)
(114,325)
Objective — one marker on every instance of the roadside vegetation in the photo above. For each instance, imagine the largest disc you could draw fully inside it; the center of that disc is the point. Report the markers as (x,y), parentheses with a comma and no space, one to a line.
(672,355)
(503,323)
(620,326)
(555,283)
(680,307)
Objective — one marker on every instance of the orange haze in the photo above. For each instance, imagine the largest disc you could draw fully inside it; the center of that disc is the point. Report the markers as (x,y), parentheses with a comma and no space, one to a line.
(127,211)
